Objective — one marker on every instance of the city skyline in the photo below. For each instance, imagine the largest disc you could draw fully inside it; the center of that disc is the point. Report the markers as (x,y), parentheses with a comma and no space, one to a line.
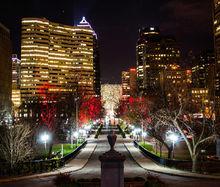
(117,23)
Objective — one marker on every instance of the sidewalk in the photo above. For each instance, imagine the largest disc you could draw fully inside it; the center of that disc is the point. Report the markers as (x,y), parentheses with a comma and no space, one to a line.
(75,164)
(149,165)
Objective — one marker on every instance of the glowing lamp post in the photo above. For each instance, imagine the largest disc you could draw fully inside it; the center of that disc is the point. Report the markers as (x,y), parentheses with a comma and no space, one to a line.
(136,133)
(144,134)
(76,135)
(44,138)
(173,137)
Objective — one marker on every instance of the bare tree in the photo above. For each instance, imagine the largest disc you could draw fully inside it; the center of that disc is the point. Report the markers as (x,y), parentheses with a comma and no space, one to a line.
(158,131)
(14,143)
(197,133)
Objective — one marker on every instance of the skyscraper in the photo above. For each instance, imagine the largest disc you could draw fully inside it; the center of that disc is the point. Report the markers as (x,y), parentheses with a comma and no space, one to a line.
(96,64)
(5,69)
(16,82)
(175,84)
(203,72)
(56,54)
(217,54)
(153,53)
(129,83)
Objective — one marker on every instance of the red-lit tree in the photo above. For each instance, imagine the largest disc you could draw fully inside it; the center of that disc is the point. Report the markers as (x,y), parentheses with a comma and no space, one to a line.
(48,106)
(90,109)
(135,110)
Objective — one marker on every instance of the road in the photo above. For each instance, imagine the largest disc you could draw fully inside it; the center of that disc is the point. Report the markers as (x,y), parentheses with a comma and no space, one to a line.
(132,169)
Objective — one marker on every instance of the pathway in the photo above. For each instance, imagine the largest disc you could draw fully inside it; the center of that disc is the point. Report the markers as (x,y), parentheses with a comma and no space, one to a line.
(135,166)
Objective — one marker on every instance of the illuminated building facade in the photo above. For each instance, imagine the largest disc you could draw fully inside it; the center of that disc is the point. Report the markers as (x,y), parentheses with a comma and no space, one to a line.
(153,53)
(96,65)
(203,72)
(217,54)
(56,54)
(175,83)
(125,77)
(129,83)
(200,98)
(16,81)
(5,69)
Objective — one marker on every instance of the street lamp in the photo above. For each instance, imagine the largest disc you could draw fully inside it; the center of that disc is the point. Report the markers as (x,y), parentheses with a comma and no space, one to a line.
(172,137)
(137,132)
(76,135)
(144,134)
(77,113)
(44,138)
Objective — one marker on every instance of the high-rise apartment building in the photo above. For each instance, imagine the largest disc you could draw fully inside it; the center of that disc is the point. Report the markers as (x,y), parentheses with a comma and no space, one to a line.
(129,83)
(153,53)
(5,69)
(56,54)
(176,84)
(16,82)
(96,64)
(125,83)
(203,72)
(217,54)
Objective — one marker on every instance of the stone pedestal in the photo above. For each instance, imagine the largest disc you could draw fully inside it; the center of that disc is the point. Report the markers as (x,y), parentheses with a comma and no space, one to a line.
(112,166)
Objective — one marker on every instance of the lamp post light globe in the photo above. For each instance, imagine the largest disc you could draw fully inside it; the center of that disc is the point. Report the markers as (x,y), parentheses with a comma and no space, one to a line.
(44,138)
(76,134)
(173,137)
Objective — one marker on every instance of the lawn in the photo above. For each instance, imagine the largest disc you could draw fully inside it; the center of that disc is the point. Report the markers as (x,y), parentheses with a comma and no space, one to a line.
(66,148)
(40,152)
(180,154)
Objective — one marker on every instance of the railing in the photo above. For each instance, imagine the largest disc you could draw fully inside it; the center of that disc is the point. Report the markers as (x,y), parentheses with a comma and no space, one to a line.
(38,166)
(180,164)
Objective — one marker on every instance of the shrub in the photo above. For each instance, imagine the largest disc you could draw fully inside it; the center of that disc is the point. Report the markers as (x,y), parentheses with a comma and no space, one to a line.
(121,131)
(65,180)
(98,131)
(153,181)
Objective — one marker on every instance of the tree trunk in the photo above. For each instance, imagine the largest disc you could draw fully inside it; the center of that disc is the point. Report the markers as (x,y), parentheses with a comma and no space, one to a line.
(194,164)
(161,145)
(169,156)
(50,150)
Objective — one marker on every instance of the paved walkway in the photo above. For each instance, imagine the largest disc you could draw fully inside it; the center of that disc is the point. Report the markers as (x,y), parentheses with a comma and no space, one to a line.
(86,165)
(149,165)
(93,167)
(75,164)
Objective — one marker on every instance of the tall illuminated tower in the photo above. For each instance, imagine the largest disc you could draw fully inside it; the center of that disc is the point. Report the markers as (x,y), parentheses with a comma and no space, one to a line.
(58,55)
(16,82)
(5,69)
(153,53)
(217,54)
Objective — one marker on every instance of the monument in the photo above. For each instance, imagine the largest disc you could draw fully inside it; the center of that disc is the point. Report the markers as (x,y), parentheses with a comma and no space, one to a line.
(112,166)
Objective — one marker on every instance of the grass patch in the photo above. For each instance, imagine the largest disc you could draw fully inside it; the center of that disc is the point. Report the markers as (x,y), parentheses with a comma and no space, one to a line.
(147,146)
(67,149)
(177,156)
(40,152)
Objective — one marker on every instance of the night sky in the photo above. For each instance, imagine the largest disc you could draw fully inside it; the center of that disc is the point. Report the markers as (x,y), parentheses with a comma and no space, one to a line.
(116,22)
